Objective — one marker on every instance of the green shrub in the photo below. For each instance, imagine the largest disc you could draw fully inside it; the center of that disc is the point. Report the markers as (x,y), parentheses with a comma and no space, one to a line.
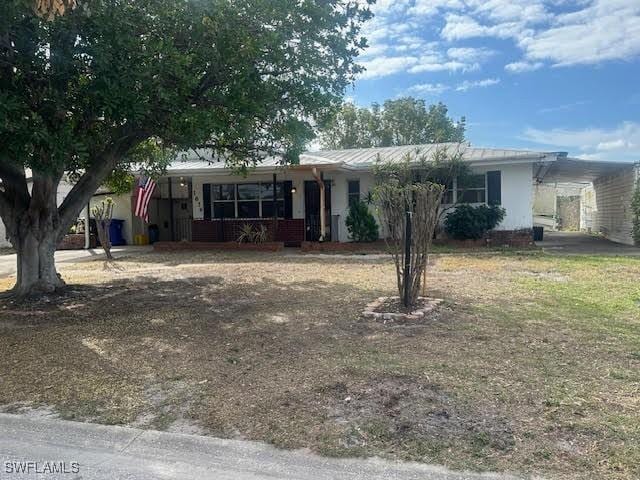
(469,222)
(361,224)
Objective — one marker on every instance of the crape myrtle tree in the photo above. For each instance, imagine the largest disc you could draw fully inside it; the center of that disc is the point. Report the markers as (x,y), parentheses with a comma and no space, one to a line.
(110,85)
(413,187)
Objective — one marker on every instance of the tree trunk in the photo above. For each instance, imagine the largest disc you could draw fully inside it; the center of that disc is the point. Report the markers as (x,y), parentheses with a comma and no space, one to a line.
(36,265)
(104,236)
(34,231)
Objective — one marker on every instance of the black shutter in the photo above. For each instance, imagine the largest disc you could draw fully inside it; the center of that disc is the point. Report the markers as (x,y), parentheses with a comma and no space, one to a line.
(206,200)
(494,187)
(288,199)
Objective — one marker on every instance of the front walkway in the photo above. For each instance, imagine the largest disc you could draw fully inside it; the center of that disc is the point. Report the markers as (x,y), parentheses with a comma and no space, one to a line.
(108,452)
(8,262)
(578,243)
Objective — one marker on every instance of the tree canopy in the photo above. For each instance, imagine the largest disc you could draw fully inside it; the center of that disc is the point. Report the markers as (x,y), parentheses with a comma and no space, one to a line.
(405,121)
(112,83)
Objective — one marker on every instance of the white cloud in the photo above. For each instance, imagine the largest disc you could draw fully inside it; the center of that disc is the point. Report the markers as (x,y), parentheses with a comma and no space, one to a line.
(430,65)
(591,33)
(432,7)
(428,88)
(413,55)
(469,55)
(618,143)
(548,32)
(383,66)
(467,84)
(460,27)
(563,107)
(521,11)
(520,67)
(604,31)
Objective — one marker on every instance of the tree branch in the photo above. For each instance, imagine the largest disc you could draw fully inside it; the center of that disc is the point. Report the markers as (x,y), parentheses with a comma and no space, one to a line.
(94,176)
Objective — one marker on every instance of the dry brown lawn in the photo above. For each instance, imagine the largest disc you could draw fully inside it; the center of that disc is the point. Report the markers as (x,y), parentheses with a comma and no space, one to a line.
(532,365)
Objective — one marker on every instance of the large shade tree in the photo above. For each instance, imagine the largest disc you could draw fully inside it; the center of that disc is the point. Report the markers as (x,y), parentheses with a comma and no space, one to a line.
(110,83)
(403,121)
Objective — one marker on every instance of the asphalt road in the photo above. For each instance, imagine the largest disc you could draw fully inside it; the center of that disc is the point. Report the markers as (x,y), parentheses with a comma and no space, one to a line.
(98,452)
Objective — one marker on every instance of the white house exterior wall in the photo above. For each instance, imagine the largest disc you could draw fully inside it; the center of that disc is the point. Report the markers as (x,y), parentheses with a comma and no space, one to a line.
(121,211)
(517,194)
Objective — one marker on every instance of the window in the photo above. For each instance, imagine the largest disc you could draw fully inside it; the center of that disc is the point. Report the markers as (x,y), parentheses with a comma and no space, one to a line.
(247,200)
(447,195)
(472,189)
(266,195)
(224,201)
(353,194)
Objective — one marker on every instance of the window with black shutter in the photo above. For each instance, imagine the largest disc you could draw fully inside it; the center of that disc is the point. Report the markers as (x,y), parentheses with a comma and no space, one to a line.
(494,187)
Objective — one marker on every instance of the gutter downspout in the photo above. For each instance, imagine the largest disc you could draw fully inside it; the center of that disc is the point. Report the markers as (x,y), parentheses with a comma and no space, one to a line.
(320,182)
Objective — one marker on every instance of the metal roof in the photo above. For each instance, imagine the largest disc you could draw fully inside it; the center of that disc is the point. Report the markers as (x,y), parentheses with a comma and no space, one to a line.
(366,157)
(362,158)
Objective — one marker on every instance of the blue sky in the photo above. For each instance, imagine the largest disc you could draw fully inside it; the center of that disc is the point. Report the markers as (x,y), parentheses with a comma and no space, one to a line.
(539,74)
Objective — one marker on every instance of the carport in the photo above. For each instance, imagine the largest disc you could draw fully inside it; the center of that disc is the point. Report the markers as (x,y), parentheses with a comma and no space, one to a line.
(607,191)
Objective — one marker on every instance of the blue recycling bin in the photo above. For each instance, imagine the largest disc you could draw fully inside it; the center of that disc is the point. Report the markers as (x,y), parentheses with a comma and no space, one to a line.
(115,232)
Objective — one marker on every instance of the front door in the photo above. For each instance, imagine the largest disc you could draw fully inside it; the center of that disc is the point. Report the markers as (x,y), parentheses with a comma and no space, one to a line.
(312,210)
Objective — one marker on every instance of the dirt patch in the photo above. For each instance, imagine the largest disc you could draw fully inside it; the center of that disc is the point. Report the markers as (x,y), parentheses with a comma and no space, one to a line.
(400,411)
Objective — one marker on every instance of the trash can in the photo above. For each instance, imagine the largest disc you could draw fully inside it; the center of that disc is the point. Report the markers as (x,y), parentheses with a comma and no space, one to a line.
(154,233)
(538,234)
(115,232)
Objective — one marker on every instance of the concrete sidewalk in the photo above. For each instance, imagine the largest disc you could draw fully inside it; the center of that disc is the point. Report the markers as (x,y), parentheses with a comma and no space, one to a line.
(8,262)
(111,453)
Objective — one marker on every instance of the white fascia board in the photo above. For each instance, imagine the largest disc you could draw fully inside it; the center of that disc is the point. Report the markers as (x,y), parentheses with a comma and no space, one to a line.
(270,169)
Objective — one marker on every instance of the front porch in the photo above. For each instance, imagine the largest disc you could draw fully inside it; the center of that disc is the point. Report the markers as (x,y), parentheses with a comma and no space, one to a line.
(214,207)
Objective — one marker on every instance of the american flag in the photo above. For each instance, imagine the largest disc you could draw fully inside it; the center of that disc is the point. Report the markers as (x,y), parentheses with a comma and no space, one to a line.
(145,189)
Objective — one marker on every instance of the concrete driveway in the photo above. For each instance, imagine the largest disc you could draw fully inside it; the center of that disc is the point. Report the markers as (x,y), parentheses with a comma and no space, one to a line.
(97,452)
(8,262)
(577,243)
